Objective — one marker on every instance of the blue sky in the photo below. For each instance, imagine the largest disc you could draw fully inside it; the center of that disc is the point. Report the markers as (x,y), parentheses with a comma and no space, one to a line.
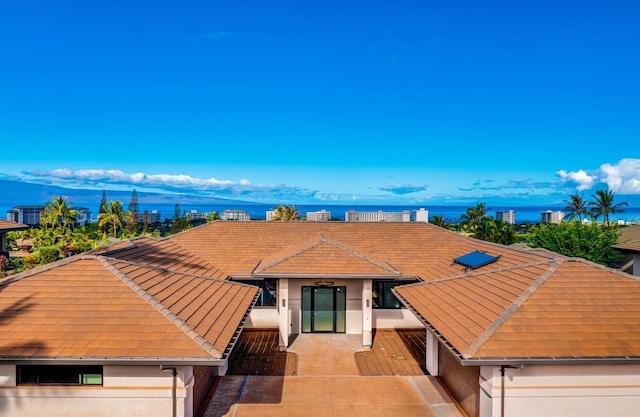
(404,102)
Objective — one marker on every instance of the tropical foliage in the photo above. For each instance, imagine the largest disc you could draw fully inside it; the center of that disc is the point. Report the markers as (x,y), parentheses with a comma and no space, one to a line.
(602,205)
(285,213)
(576,207)
(589,241)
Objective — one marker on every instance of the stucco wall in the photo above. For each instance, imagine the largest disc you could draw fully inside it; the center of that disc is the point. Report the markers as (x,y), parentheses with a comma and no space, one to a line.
(568,391)
(395,318)
(127,391)
(261,317)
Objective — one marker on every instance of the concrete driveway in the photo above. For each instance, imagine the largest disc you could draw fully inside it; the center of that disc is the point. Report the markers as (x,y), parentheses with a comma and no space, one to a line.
(328,384)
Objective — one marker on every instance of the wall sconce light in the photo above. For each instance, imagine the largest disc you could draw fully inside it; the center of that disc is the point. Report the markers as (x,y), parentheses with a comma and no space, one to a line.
(284,302)
(367,303)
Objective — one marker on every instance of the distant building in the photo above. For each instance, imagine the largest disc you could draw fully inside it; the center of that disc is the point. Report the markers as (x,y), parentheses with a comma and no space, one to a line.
(153,216)
(29,215)
(506,216)
(549,216)
(84,215)
(194,215)
(421,215)
(238,215)
(377,216)
(270,215)
(319,216)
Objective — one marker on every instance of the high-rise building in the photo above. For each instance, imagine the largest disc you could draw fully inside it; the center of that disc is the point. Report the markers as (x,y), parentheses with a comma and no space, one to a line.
(549,216)
(506,216)
(421,215)
(319,216)
(377,216)
(238,215)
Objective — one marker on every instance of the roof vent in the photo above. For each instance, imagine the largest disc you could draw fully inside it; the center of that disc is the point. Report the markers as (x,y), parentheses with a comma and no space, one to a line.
(475,259)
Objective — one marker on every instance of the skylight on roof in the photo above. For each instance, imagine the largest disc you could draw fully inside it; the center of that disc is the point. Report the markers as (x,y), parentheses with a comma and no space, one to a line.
(475,259)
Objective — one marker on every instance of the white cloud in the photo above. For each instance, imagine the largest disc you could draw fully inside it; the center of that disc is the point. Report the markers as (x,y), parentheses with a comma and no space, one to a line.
(581,178)
(622,177)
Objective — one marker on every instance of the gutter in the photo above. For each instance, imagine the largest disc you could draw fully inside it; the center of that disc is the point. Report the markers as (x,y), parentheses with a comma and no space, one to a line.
(394,277)
(113,361)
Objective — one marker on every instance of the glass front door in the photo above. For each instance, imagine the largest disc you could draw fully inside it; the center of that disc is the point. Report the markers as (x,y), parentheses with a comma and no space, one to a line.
(323,309)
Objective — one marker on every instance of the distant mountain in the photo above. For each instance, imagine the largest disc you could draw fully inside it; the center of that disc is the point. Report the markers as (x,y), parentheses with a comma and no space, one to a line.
(14,193)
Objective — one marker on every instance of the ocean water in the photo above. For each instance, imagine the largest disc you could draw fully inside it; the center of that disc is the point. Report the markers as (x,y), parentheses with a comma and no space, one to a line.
(450,213)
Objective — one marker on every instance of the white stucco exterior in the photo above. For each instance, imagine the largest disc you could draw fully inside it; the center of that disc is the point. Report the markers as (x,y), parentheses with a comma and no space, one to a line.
(361,317)
(561,390)
(126,391)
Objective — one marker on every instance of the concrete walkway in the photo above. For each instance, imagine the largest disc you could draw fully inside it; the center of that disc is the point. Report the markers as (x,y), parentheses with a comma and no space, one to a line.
(328,385)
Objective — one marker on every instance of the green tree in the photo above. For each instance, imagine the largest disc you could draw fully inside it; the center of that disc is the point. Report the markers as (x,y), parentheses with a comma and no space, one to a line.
(602,205)
(576,207)
(589,241)
(439,221)
(213,216)
(485,230)
(145,222)
(474,216)
(58,214)
(504,233)
(285,213)
(112,218)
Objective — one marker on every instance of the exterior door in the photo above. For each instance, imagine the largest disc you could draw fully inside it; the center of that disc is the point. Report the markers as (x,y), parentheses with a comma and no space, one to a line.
(323,309)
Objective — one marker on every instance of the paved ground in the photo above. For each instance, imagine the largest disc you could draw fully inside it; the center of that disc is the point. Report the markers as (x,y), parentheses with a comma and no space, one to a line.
(328,380)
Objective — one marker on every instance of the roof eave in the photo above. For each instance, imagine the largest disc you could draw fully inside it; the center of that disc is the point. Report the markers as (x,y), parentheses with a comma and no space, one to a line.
(133,361)
(623,360)
(326,276)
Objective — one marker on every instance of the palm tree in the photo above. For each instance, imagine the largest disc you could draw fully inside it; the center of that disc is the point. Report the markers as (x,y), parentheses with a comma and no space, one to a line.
(603,205)
(576,207)
(504,233)
(439,221)
(58,214)
(213,216)
(474,215)
(113,216)
(286,213)
(485,230)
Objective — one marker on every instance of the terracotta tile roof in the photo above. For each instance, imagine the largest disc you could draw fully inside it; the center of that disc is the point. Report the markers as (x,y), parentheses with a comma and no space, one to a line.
(629,239)
(162,253)
(412,249)
(565,308)
(320,256)
(9,226)
(92,307)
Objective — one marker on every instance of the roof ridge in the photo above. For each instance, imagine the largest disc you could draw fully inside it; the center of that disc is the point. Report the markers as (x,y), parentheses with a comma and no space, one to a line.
(162,309)
(160,268)
(492,271)
(45,267)
(509,311)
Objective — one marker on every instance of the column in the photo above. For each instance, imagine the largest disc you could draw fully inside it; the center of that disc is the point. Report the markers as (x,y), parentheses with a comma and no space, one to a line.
(283,313)
(432,353)
(367,315)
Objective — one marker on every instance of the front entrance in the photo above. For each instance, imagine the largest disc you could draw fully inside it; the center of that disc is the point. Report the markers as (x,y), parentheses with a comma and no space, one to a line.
(324,309)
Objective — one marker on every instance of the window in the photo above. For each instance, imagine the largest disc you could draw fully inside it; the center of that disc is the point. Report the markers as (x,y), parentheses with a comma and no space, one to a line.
(59,375)
(382,295)
(269,295)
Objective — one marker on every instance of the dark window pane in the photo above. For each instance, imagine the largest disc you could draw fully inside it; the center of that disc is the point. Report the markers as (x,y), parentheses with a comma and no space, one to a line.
(59,375)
